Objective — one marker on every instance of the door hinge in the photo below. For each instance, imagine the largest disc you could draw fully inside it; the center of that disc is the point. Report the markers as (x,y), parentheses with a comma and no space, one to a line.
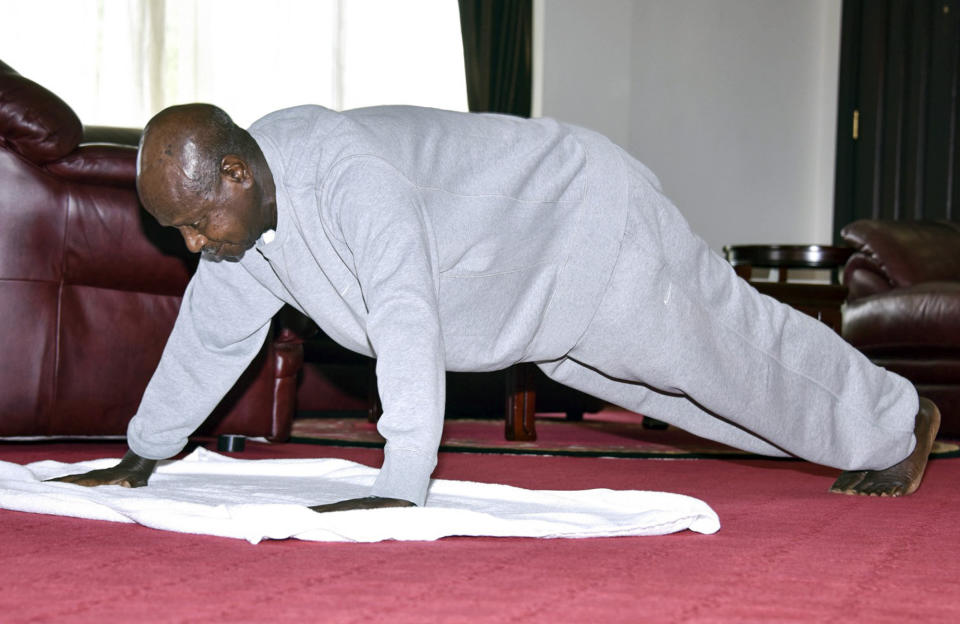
(856,124)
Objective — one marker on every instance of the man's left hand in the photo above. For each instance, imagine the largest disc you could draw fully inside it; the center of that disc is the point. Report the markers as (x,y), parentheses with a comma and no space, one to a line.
(370,502)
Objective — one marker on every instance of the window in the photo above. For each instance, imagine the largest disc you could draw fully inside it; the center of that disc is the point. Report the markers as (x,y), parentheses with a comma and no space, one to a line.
(117,62)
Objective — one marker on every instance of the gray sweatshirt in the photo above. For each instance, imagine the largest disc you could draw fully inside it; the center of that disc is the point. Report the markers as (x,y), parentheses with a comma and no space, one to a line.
(431,240)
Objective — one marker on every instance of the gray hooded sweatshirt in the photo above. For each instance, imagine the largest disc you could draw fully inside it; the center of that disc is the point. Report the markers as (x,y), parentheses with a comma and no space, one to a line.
(431,240)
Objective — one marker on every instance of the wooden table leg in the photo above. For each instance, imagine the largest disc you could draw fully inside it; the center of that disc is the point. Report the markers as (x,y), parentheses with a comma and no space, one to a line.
(521,404)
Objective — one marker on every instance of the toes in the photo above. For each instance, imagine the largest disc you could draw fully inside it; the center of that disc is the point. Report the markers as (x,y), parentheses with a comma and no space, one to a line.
(870,483)
(880,487)
(847,481)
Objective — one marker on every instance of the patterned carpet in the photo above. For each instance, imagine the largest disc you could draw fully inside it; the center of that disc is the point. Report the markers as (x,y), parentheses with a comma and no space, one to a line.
(607,434)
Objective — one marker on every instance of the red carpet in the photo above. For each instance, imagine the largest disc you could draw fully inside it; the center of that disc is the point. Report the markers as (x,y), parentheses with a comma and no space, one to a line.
(788,551)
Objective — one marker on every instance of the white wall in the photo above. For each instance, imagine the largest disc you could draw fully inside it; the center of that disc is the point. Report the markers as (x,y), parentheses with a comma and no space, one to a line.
(586,63)
(732,103)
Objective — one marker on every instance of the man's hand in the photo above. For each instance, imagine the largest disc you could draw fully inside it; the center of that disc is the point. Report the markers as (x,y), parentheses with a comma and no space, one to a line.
(370,502)
(132,471)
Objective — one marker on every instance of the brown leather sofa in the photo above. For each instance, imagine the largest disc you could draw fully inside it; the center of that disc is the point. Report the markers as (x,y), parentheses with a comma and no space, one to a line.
(90,285)
(903,306)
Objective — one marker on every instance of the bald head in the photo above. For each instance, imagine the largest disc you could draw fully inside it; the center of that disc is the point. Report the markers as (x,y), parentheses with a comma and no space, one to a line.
(183,146)
(196,167)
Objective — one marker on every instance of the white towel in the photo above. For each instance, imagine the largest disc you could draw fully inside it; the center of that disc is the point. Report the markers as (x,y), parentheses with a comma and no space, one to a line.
(211,494)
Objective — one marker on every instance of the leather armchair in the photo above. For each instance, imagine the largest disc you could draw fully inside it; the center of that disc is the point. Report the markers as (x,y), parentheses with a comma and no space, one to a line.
(90,285)
(903,306)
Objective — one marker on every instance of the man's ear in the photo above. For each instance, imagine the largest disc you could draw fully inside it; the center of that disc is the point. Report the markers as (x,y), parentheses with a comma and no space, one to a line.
(235,169)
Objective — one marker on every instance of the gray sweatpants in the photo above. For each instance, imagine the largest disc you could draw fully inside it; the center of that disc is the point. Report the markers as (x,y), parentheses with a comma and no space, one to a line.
(679,337)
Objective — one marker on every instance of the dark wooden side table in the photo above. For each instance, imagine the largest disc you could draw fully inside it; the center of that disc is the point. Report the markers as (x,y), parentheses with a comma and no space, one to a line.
(821,301)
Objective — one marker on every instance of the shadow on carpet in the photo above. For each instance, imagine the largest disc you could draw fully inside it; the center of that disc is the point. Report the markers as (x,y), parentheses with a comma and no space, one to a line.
(591,437)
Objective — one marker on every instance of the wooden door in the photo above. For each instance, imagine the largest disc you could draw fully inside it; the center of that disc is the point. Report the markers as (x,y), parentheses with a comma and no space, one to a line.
(898,141)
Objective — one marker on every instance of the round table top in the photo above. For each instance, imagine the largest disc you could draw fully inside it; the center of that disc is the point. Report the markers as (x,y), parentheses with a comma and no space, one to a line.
(788,256)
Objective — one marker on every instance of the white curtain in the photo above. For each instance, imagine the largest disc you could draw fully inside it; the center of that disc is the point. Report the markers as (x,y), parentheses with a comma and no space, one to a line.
(117,62)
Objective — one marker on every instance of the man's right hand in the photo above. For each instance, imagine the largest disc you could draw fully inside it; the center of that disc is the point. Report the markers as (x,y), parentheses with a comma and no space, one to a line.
(132,471)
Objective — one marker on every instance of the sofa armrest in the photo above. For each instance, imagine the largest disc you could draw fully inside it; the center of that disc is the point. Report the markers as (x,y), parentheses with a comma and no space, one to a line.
(896,254)
(34,122)
(864,275)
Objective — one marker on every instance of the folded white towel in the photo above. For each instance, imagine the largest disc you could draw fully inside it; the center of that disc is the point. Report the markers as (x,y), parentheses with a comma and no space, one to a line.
(211,494)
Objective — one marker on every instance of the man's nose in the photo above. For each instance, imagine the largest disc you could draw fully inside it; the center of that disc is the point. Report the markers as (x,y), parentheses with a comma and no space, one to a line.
(194,240)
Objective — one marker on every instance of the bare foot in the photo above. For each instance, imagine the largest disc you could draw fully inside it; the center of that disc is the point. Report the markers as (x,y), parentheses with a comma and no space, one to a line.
(903,478)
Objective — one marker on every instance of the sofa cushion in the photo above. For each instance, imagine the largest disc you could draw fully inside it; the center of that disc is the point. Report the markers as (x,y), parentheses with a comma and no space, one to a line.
(32,221)
(111,242)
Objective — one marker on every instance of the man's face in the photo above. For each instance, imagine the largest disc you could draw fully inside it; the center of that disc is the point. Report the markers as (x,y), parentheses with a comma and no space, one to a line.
(221,225)
(221,228)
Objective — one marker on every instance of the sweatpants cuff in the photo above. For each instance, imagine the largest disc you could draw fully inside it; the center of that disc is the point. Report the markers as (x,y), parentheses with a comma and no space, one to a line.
(405,474)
